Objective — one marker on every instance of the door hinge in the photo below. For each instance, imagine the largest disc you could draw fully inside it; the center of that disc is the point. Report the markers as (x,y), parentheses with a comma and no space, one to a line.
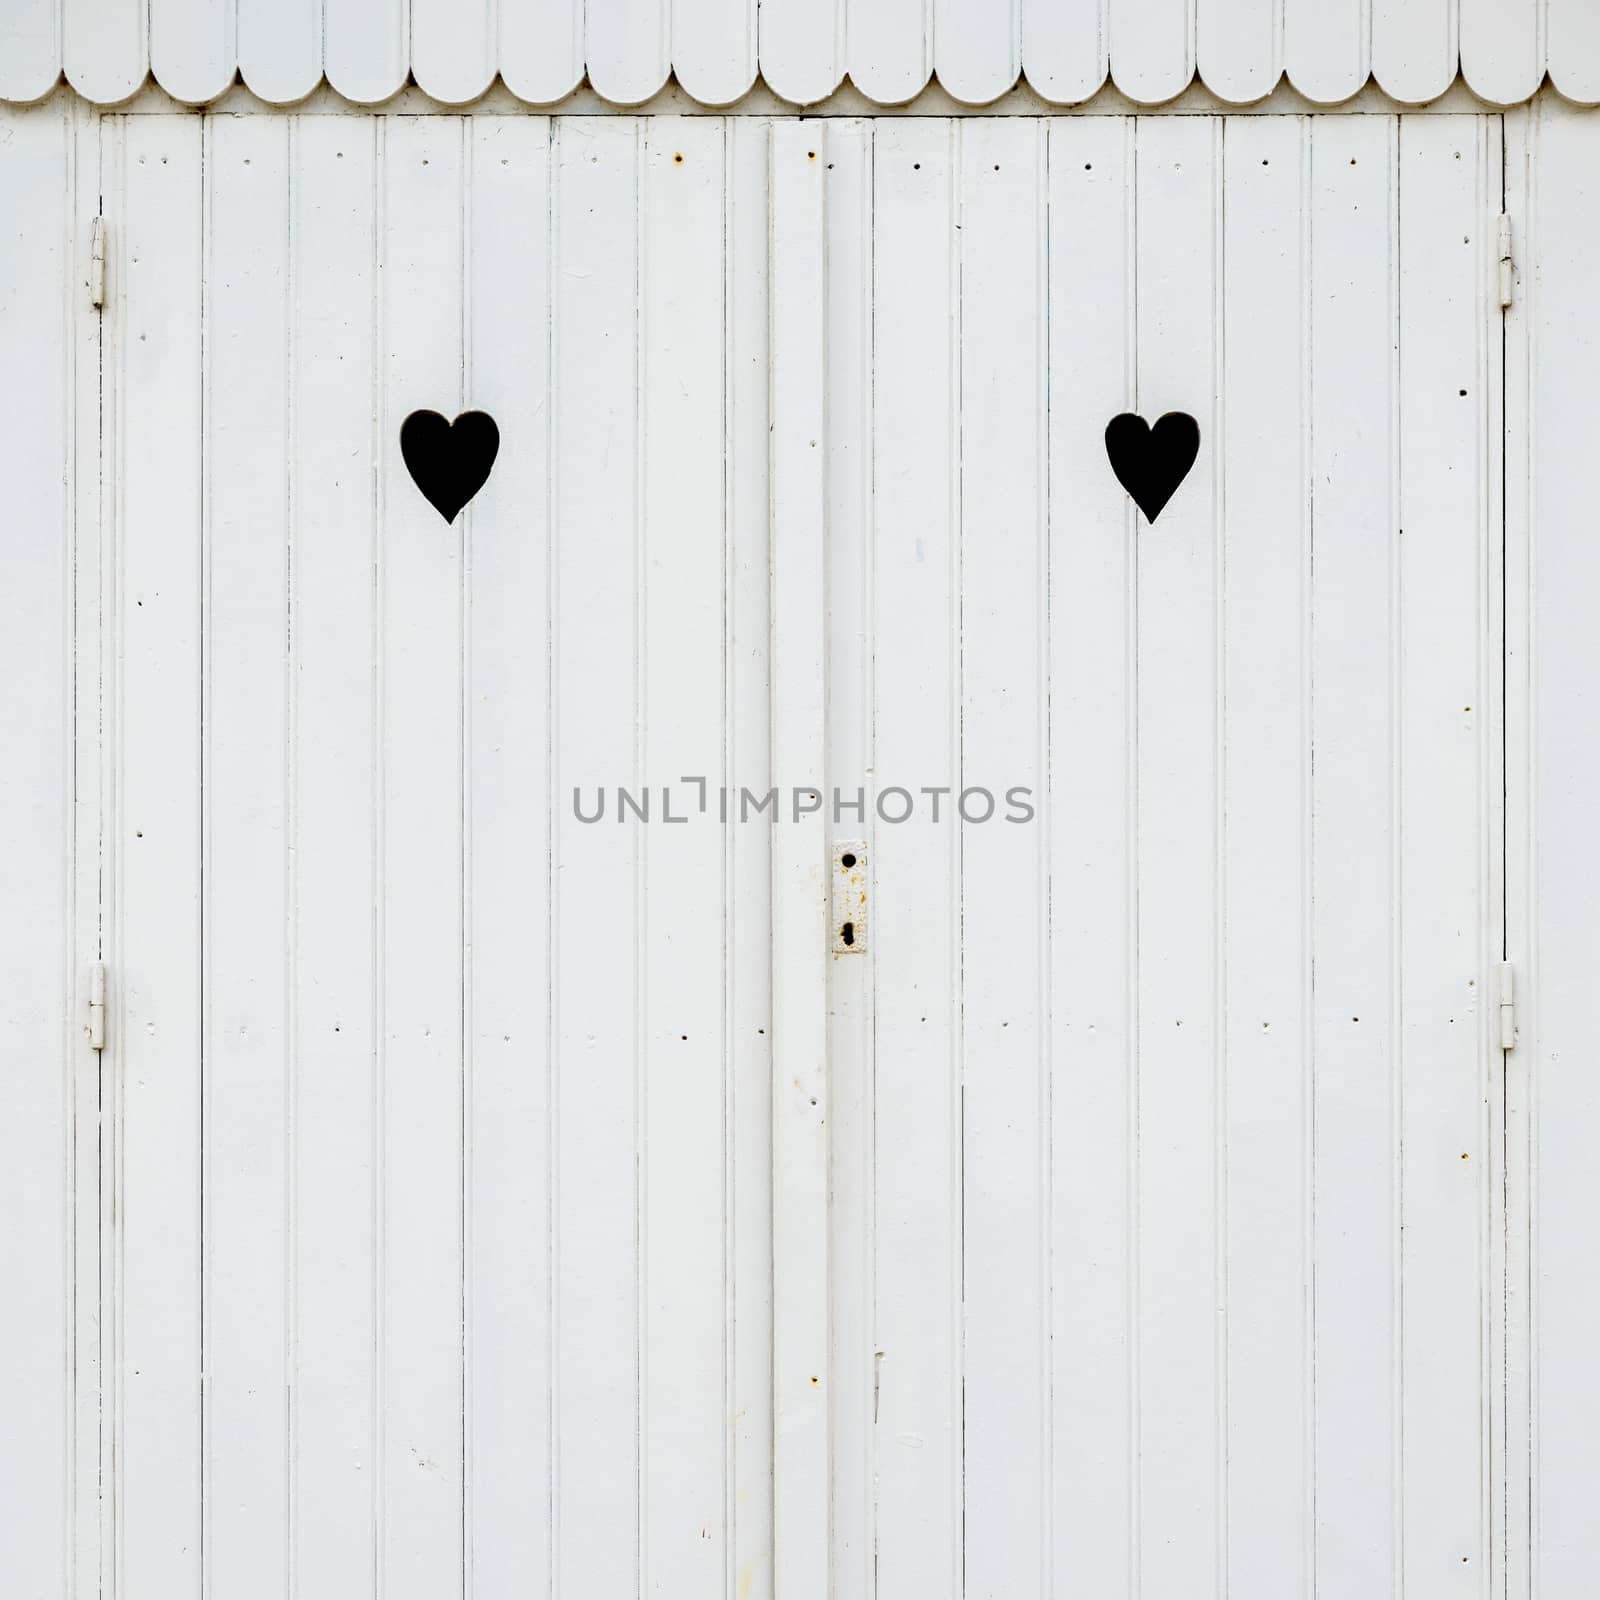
(97,263)
(1507,998)
(95,1028)
(1507,265)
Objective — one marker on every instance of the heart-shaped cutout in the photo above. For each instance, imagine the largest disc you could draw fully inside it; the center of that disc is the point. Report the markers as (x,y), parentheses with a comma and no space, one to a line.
(449,461)
(1149,462)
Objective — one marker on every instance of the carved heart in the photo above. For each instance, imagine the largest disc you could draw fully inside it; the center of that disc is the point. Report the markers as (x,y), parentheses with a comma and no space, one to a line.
(449,461)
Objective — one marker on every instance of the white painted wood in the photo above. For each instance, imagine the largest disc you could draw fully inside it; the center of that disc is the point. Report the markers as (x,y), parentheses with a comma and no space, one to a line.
(977,47)
(1513,1460)
(334,1087)
(1239,47)
(246,1133)
(1450,181)
(30,49)
(540,54)
(801,1392)
(41,947)
(628,49)
(915,874)
(453,48)
(1065,49)
(280,48)
(713,48)
(1572,49)
(367,47)
(1152,48)
(1327,47)
(1179,1286)
(889,47)
(419,910)
(105,47)
(683,1345)
(1502,49)
(1414,47)
(595,985)
(1555,325)
(1005,1104)
(507,686)
(193,53)
(801,47)
(746,760)
(847,292)
(1266,699)
(1090,823)
(152,187)
(1354,841)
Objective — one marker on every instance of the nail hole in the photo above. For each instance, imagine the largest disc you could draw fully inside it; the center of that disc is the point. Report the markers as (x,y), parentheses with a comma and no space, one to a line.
(848,859)
(848,933)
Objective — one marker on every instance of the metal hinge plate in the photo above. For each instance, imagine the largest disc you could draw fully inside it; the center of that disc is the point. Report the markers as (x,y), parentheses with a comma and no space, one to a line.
(1507,264)
(97,263)
(1507,1001)
(94,1029)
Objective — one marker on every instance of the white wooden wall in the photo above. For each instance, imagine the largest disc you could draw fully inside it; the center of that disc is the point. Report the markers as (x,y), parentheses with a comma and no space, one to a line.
(442,1118)
(1166,1168)
(543,49)
(1553,572)
(330,892)
(49,858)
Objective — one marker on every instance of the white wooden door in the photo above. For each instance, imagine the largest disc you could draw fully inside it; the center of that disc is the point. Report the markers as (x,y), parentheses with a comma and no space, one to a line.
(1136,1175)
(441,1116)
(1164,1125)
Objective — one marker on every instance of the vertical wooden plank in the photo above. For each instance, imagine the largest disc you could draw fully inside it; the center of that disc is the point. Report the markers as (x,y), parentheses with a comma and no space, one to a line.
(714,48)
(977,47)
(1239,47)
(627,47)
(801,1326)
(507,697)
(1561,1034)
(1327,47)
(1152,48)
(802,47)
(1414,47)
(30,49)
(1572,49)
(540,48)
(280,48)
(153,206)
(683,1353)
(367,47)
(1065,49)
(1266,953)
(105,47)
(917,1074)
(1093,1037)
(1003,577)
(40,1031)
(1355,1218)
(746,760)
(245,867)
(847,293)
(889,47)
(596,962)
(192,47)
(1447,172)
(337,427)
(1502,49)
(453,48)
(420,932)
(1180,1227)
